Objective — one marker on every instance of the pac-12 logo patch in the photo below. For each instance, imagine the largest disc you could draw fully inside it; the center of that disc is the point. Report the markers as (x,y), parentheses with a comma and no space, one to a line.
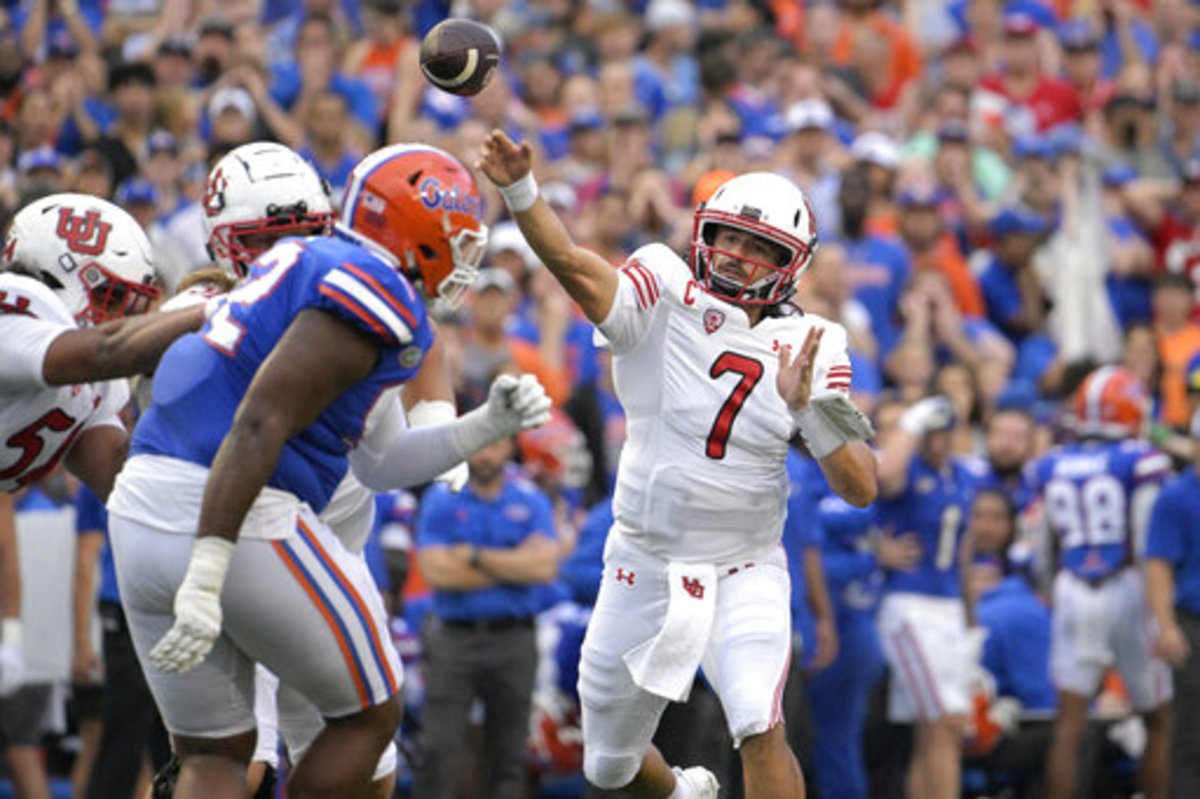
(713,319)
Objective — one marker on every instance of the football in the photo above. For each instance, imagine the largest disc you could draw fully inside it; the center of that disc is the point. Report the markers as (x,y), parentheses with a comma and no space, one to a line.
(460,56)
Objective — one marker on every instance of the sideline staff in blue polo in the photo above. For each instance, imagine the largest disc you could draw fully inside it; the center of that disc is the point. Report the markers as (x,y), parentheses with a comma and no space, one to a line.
(489,553)
(1173,589)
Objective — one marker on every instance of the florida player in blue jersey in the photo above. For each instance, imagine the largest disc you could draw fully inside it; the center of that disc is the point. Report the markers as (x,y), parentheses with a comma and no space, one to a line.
(254,422)
(922,619)
(1096,497)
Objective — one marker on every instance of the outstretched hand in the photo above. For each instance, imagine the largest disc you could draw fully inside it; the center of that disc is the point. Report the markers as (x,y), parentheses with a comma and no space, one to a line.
(502,160)
(794,382)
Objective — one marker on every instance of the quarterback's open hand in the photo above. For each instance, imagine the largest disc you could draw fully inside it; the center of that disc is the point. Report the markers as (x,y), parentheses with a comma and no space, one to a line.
(517,403)
(502,160)
(794,382)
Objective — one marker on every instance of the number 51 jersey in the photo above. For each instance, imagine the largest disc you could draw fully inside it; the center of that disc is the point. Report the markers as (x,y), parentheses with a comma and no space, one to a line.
(203,376)
(39,423)
(702,474)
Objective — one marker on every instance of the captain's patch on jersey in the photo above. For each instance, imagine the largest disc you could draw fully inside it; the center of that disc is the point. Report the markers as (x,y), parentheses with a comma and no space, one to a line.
(644,283)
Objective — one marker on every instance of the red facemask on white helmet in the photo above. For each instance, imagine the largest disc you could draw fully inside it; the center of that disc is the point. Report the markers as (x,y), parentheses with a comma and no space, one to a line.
(256,195)
(771,208)
(93,255)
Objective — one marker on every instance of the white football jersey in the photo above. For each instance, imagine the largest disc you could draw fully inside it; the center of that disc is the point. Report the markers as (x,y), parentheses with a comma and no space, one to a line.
(701,476)
(39,423)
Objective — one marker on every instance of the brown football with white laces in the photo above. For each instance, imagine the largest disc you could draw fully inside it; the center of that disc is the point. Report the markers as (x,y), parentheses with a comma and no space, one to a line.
(460,56)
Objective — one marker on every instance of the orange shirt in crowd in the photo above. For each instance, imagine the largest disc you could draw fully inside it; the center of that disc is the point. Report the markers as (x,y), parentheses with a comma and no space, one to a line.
(945,257)
(1174,351)
(905,61)
(527,358)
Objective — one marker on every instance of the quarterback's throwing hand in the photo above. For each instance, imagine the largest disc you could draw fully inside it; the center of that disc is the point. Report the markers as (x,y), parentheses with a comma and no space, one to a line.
(795,376)
(504,161)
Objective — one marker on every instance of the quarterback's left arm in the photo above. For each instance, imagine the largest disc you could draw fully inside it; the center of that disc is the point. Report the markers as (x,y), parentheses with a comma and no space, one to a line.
(833,428)
(121,348)
(319,357)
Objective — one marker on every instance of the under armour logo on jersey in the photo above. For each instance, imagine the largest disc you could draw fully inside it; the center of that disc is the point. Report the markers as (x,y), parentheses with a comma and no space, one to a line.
(624,576)
(694,587)
(19,306)
(85,234)
(644,283)
(713,319)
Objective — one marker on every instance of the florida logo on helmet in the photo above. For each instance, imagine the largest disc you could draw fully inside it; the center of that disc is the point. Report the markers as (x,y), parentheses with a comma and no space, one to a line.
(435,196)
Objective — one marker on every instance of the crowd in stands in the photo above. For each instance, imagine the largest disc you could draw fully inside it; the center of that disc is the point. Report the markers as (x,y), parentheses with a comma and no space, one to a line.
(1007,196)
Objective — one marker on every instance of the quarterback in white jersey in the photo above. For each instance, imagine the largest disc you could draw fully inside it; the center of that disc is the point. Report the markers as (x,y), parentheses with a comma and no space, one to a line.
(703,365)
(73,267)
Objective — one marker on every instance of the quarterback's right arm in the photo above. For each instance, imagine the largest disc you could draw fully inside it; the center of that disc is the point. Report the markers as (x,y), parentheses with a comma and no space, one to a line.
(121,348)
(588,278)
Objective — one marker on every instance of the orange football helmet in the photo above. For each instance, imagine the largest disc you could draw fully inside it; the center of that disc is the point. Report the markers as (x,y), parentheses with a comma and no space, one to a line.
(418,208)
(1111,403)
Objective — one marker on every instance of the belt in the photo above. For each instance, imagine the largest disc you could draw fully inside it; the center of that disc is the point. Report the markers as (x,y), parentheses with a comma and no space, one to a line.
(490,625)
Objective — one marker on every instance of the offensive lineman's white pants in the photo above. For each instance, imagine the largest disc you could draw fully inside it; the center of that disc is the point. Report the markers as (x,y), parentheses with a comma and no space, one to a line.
(746,659)
(302,606)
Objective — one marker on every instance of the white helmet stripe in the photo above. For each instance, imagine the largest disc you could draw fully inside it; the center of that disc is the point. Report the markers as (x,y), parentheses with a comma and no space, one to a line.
(1095,391)
(368,165)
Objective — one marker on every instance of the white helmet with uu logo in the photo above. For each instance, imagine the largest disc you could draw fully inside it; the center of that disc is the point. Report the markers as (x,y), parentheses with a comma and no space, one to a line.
(769,207)
(92,254)
(257,194)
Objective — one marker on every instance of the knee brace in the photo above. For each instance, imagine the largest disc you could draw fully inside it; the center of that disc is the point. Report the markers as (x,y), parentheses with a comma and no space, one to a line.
(610,771)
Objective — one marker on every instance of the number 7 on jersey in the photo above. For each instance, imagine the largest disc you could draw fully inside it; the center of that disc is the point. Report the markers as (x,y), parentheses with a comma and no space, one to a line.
(751,372)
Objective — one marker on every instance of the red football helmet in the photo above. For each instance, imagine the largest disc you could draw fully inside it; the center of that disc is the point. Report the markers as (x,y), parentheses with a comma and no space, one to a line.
(420,209)
(1110,403)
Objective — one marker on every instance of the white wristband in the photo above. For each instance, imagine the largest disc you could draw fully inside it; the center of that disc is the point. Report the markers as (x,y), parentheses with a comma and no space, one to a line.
(521,194)
(821,437)
(10,632)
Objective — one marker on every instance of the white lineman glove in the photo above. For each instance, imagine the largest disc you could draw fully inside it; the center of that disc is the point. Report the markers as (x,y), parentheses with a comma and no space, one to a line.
(431,413)
(197,608)
(514,404)
(927,415)
(12,656)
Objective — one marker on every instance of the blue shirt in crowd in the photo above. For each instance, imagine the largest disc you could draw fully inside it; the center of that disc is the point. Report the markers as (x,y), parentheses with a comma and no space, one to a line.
(91,516)
(877,268)
(1017,649)
(517,512)
(583,570)
(1174,536)
(934,505)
